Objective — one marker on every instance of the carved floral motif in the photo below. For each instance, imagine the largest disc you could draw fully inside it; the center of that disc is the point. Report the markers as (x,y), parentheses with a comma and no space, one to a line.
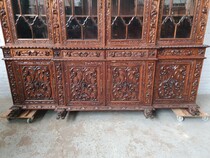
(55,21)
(83,84)
(127,54)
(60,87)
(172,81)
(125,83)
(81,54)
(36,80)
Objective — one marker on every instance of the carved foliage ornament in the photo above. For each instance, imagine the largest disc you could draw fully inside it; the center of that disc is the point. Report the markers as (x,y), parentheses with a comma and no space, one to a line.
(37,83)
(125,83)
(127,54)
(83,84)
(172,81)
(59,83)
(5,23)
(55,21)
(32,53)
(81,54)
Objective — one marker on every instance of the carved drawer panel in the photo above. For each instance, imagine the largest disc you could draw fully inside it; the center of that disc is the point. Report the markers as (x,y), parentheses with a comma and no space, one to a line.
(181,53)
(85,83)
(32,53)
(126,84)
(35,81)
(130,54)
(172,81)
(83,54)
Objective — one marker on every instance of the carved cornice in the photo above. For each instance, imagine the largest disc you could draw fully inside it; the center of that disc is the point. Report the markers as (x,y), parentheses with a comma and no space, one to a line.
(5,23)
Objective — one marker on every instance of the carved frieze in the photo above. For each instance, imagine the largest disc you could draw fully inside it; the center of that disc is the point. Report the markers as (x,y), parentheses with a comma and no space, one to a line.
(5,23)
(172,80)
(125,83)
(37,82)
(83,54)
(31,53)
(83,84)
(181,52)
(127,54)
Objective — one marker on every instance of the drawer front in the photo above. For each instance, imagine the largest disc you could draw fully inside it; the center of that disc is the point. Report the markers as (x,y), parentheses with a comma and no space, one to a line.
(83,54)
(130,54)
(31,53)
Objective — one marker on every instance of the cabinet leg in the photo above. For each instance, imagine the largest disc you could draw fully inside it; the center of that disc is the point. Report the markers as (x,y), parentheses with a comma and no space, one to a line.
(15,111)
(149,113)
(61,114)
(194,110)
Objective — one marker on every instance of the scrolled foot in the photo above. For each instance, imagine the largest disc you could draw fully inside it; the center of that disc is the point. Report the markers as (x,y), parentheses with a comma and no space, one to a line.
(61,114)
(149,113)
(194,110)
(15,111)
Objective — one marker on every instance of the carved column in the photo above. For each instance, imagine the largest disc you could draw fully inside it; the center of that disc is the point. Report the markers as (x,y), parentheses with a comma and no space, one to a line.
(5,23)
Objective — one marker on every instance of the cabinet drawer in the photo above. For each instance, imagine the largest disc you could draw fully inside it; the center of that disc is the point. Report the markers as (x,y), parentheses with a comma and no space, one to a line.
(32,53)
(130,54)
(83,54)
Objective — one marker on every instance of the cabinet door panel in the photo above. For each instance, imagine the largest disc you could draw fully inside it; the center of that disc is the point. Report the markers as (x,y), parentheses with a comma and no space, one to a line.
(172,81)
(85,83)
(36,82)
(125,83)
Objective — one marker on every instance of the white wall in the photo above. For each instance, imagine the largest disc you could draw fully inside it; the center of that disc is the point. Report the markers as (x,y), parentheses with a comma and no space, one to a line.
(204,87)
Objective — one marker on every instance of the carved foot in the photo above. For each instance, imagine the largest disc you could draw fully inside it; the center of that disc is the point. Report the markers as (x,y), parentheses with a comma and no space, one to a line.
(149,113)
(194,110)
(15,112)
(61,114)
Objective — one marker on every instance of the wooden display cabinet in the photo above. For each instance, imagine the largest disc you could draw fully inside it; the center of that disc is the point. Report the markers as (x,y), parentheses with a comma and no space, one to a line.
(92,55)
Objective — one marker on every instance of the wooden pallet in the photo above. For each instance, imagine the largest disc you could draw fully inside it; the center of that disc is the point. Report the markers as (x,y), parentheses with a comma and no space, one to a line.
(181,114)
(25,114)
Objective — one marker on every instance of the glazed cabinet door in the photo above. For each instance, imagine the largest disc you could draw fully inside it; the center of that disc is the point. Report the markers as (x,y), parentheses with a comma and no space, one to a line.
(29,21)
(82,22)
(182,21)
(85,83)
(125,22)
(127,84)
(34,82)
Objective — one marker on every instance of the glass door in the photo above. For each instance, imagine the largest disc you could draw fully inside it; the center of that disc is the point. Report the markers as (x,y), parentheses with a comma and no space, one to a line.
(125,22)
(30,20)
(177,19)
(82,22)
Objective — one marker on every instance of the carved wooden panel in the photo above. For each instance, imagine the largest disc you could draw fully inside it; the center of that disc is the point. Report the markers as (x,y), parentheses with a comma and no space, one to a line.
(125,83)
(172,81)
(35,81)
(85,83)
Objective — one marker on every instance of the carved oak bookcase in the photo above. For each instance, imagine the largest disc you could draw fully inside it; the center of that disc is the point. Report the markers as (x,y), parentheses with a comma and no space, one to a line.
(92,55)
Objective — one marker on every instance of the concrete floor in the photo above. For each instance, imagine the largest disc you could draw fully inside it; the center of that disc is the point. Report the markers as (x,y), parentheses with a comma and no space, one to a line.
(103,134)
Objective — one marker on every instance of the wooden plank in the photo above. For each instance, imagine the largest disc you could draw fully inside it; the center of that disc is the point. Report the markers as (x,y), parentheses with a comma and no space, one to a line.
(24,115)
(5,114)
(185,113)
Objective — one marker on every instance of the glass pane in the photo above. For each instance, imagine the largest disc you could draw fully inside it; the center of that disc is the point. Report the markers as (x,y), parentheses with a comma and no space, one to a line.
(127,7)
(81,19)
(30,18)
(127,19)
(178,18)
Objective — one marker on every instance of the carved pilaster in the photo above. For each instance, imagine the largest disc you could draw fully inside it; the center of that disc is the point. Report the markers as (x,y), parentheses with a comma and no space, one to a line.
(60,88)
(201,27)
(13,83)
(56,22)
(149,82)
(195,82)
(153,21)
(5,23)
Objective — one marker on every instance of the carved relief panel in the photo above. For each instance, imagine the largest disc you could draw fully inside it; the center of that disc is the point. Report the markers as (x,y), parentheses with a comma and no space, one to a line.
(85,83)
(125,84)
(35,81)
(172,81)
